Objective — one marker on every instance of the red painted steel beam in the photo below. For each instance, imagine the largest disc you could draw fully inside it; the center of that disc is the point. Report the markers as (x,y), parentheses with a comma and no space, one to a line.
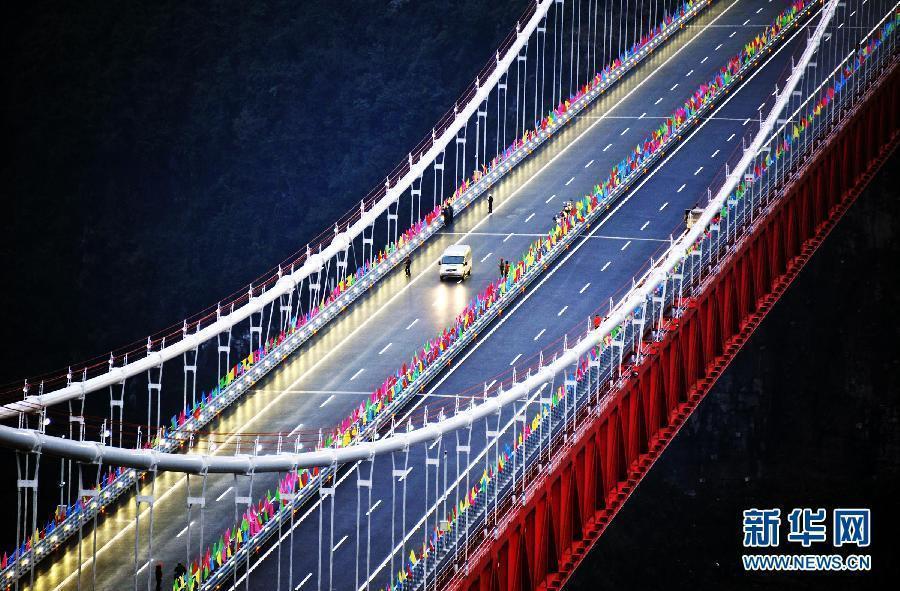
(539,544)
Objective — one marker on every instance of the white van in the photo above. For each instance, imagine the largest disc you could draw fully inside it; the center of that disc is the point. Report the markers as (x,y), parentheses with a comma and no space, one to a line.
(456,261)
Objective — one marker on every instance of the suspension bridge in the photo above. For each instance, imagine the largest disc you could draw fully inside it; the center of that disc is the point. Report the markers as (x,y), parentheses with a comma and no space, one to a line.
(338,424)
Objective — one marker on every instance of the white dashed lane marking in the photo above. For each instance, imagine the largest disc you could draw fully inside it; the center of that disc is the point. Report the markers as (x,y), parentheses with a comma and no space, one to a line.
(647,223)
(608,263)
(608,146)
(714,154)
(528,219)
(413,323)
(659,100)
(550,198)
(696,172)
(538,335)
(562,311)
(486,257)
(589,163)
(586,285)
(388,346)
(569,182)
(681,188)
(356,375)
(624,246)
(327,400)
(624,131)
(731,137)
(516,358)
(663,206)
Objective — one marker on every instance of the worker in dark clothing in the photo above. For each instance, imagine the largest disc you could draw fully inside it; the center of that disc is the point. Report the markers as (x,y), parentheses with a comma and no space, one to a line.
(407,265)
(490,203)
(502,267)
(180,570)
(448,215)
(158,577)
(506,270)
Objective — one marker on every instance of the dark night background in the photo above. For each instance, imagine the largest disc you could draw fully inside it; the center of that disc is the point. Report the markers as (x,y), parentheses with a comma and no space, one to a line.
(160,156)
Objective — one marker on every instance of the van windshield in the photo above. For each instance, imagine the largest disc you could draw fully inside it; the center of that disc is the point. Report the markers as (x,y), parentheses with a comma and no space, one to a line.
(452,260)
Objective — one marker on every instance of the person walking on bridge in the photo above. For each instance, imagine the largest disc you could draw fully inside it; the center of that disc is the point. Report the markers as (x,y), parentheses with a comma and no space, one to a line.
(407,266)
(158,574)
(502,268)
(490,203)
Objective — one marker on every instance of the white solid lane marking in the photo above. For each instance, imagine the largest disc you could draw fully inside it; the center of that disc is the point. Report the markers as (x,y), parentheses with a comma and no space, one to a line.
(538,335)
(586,285)
(608,146)
(624,246)
(528,219)
(681,188)
(569,182)
(731,137)
(663,206)
(486,256)
(624,131)
(563,311)
(589,163)
(659,100)
(338,545)
(689,73)
(714,154)
(306,578)
(550,198)
(508,236)
(222,496)
(647,223)
(373,507)
(703,61)
(696,172)
(388,346)
(608,263)
(329,399)
(516,358)
(413,323)
(356,375)
(184,531)
(674,87)
(719,46)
